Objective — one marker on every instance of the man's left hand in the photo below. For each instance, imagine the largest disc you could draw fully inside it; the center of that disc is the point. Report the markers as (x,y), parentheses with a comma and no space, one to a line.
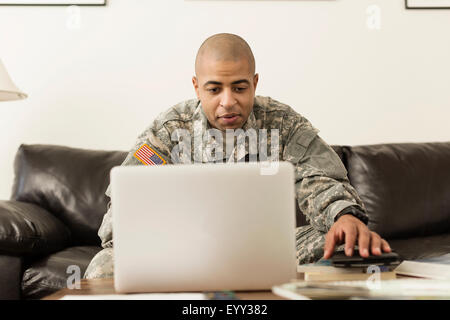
(350,229)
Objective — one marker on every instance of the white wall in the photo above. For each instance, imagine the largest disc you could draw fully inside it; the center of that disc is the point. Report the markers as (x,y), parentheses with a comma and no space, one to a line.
(101,85)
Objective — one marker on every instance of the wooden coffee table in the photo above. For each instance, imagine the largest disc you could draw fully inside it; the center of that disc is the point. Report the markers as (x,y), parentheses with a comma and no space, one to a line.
(106,286)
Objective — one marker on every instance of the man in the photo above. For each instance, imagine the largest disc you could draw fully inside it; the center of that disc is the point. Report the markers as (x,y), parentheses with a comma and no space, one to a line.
(225,84)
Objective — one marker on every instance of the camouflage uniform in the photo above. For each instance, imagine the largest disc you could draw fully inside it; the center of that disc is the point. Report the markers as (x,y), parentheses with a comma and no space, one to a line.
(322,187)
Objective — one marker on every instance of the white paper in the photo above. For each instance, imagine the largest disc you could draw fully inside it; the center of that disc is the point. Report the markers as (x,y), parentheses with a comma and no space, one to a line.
(424,270)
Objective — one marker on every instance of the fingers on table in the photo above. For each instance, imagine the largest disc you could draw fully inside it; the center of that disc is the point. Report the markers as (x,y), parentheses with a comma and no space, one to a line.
(351,233)
(364,239)
(375,244)
(368,241)
(385,246)
(378,245)
(330,243)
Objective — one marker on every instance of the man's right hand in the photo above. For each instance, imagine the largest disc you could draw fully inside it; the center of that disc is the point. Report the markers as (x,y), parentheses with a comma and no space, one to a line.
(350,229)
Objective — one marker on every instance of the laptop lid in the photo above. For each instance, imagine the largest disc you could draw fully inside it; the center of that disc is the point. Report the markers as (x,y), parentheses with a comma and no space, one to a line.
(202,227)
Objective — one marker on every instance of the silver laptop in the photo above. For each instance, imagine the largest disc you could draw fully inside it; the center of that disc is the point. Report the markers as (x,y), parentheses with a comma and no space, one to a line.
(202,227)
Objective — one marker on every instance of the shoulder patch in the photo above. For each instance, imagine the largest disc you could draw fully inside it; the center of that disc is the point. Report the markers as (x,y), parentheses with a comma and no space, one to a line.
(148,156)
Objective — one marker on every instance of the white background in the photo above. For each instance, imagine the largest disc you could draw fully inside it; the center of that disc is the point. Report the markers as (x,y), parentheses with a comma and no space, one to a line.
(100,86)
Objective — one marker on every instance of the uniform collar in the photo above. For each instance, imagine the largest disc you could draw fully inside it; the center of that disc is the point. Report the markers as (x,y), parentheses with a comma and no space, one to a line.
(201,147)
(250,123)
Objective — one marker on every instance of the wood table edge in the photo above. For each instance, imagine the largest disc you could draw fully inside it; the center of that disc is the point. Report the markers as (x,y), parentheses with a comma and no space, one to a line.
(105,286)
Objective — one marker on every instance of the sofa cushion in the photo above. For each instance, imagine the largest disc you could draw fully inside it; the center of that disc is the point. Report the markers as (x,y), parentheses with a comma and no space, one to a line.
(431,248)
(69,183)
(10,276)
(27,229)
(51,273)
(405,187)
(441,259)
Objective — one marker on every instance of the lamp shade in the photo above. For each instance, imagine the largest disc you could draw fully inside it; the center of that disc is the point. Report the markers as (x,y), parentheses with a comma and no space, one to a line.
(8,90)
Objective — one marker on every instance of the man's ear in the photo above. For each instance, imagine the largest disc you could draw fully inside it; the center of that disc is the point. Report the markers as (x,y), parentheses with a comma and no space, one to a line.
(255,80)
(195,83)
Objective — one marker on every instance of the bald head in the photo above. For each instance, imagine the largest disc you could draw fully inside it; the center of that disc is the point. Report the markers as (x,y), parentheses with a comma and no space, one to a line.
(224,47)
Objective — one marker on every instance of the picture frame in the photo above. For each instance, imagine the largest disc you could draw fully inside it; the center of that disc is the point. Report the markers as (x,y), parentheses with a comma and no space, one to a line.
(52,2)
(427,4)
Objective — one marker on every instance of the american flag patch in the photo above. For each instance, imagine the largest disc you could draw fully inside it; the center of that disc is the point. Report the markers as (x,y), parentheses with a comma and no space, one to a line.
(148,156)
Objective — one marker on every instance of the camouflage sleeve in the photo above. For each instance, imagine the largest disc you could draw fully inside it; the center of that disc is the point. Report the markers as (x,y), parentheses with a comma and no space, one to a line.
(157,138)
(322,187)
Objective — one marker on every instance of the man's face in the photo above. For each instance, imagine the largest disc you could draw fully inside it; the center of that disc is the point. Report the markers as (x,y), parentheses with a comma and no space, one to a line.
(226,90)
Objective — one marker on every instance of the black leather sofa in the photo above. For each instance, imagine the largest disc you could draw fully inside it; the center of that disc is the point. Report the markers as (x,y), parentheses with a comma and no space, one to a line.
(58,202)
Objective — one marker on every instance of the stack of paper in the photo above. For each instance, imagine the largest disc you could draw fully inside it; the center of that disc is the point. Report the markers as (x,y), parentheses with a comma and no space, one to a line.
(389,289)
(323,281)
(311,276)
(324,271)
(424,270)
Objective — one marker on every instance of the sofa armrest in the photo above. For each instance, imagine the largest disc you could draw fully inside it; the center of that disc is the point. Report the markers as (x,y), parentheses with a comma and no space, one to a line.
(27,229)
(10,277)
